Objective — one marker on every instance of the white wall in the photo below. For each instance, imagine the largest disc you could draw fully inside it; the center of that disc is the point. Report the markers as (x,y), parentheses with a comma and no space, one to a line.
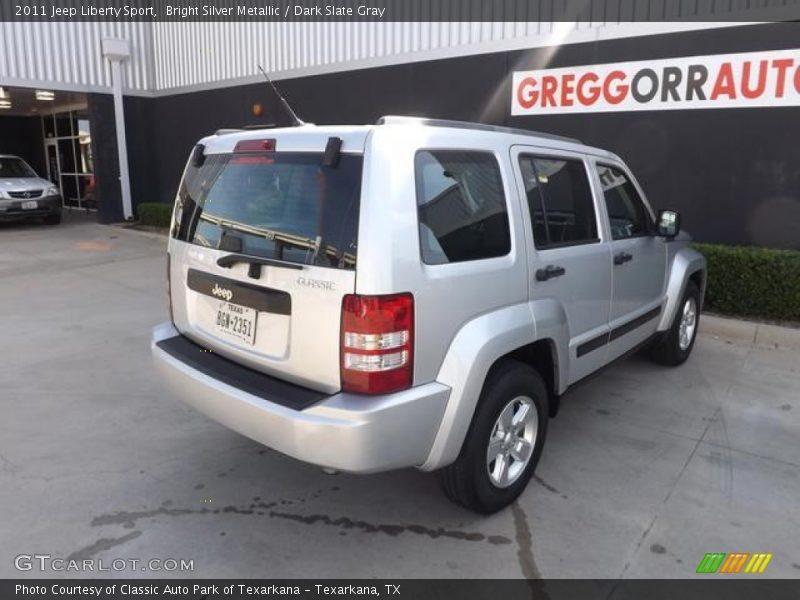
(68,55)
(174,57)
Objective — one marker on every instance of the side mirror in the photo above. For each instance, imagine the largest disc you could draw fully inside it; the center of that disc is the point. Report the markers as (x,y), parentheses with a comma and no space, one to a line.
(668,223)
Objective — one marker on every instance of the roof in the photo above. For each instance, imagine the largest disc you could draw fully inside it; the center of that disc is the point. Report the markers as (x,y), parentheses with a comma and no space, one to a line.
(360,131)
(400,120)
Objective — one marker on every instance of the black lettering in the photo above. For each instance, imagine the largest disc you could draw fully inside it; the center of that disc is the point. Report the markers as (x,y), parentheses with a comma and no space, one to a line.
(638,95)
(697,76)
(671,80)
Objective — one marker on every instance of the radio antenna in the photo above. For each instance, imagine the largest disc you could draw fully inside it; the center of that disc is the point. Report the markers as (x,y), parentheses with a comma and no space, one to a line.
(296,121)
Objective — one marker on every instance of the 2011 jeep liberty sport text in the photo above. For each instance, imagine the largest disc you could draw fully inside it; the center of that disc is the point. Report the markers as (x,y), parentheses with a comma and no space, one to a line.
(414,293)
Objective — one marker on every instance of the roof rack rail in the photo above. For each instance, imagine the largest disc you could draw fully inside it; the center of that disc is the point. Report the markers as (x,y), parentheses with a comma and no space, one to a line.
(400,120)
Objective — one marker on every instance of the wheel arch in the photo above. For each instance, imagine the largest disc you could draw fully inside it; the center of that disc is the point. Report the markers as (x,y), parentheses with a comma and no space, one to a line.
(509,333)
(543,357)
(687,265)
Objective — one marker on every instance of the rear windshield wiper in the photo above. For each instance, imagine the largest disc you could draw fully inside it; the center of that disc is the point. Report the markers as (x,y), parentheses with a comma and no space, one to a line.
(316,246)
(269,234)
(255,262)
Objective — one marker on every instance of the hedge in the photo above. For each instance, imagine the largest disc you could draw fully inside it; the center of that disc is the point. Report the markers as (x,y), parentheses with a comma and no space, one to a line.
(154,214)
(752,282)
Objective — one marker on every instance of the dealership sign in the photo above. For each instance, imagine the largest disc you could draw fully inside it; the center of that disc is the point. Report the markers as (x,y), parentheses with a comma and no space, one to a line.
(719,81)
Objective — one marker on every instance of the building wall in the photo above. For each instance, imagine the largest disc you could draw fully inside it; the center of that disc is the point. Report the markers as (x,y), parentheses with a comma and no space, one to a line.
(142,154)
(734,174)
(180,56)
(68,55)
(22,136)
(190,54)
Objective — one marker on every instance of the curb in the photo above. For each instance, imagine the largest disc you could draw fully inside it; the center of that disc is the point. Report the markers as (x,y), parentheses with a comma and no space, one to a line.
(148,234)
(750,333)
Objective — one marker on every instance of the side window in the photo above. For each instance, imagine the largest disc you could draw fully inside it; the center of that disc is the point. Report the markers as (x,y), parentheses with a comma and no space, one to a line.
(560,201)
(461,206)
(626,211)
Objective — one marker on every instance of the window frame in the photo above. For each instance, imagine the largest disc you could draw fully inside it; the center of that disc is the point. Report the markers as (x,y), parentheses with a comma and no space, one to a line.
(504,187)
(651,220)
(524,198)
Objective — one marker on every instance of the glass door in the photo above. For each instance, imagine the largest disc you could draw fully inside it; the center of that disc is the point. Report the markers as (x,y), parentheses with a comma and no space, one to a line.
(70,164)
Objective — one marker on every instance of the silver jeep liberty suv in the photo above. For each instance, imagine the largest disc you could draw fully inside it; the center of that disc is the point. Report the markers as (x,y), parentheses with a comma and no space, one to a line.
(414,293)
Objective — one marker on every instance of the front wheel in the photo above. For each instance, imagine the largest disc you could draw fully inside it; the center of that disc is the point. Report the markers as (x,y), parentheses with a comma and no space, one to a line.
(675,346)
(504,442)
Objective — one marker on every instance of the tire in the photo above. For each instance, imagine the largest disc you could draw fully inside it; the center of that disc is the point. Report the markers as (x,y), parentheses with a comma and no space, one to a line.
(674,347)
(468,481)
(53,219)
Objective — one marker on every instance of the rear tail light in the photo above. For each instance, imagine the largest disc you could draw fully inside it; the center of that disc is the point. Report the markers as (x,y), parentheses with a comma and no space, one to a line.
(377,349)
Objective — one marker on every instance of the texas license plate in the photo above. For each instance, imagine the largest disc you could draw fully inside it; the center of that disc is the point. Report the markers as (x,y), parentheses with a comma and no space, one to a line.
(237,321)
(30,205)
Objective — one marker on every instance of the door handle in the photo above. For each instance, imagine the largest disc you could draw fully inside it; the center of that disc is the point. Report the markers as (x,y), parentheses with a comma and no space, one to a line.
(549,272)
(622,258)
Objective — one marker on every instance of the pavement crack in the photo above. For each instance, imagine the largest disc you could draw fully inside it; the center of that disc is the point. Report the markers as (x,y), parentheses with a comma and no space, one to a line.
(102,545)
(692,453)
(548,487)
(524,544)
(6,465)
(673,487)
(128,519)
(391,529)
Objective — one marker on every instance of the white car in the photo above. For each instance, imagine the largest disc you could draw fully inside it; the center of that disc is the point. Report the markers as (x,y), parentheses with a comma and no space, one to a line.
(25,195)
(414,293)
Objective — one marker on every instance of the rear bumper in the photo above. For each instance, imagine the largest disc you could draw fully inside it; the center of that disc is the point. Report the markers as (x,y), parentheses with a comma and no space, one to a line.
(348,432)
(12,209)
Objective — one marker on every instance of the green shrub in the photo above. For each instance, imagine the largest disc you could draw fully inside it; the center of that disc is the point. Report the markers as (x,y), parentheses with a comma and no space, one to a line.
(753,282)
(154,214)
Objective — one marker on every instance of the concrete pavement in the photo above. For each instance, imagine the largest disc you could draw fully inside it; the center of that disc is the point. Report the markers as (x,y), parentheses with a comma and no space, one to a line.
(645,470)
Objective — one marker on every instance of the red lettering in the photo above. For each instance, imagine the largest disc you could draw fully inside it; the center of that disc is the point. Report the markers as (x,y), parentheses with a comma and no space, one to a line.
(781,65)
(549,86)
(797,80)
(621,89)
(526,93)
(593,91)
(747,91)
(567,89)
(724,84)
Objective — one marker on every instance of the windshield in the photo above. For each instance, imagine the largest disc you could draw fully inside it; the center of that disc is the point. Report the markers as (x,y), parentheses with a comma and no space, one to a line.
(285,206)
(15,167)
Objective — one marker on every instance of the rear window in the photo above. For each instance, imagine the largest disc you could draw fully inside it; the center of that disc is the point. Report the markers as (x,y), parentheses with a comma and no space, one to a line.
(283,205)
(560,201)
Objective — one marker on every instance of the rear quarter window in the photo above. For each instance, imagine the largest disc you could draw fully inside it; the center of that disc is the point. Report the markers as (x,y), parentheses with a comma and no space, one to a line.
(461,206)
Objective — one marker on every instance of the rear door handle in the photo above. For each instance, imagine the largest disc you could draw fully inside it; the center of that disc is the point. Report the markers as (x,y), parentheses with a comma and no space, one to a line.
(622,258)
(549,272)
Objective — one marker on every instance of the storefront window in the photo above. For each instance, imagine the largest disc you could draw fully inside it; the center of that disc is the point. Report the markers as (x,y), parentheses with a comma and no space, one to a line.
(68,146)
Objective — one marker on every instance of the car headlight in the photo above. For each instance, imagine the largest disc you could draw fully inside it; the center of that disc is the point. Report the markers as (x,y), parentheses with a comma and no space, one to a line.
(51,191)
(3,194)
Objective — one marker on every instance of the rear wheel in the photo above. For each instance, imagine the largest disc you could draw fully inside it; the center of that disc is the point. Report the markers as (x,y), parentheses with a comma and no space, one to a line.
(676,345)
(504,442)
